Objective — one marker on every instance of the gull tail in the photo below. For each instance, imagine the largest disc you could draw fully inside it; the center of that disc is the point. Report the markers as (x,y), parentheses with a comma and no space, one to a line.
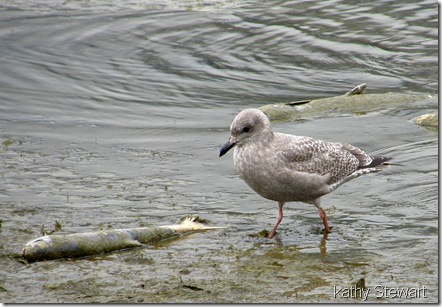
(377,162)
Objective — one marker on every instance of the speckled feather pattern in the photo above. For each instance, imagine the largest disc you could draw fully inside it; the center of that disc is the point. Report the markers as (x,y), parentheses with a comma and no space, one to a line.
(284,167)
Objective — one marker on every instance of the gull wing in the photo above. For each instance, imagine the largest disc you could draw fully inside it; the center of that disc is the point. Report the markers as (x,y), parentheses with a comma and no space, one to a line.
(305,154)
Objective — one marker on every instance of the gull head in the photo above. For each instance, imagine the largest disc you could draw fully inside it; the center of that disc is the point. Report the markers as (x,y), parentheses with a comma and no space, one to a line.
(248,126)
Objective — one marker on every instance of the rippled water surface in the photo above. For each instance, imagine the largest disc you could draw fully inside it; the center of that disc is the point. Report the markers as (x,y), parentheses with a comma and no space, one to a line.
(112,116)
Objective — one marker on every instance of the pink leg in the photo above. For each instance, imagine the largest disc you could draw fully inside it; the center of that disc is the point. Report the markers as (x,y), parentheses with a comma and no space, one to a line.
(278,220)
(324,220)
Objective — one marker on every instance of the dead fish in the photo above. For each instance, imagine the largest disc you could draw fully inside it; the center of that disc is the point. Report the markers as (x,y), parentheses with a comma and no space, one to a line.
(76,245)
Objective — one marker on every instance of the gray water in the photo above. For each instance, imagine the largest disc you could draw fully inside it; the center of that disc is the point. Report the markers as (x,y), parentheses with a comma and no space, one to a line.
(112,116)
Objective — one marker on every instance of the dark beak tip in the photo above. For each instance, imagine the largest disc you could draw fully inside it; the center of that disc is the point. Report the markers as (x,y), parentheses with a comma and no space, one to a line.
(226,147)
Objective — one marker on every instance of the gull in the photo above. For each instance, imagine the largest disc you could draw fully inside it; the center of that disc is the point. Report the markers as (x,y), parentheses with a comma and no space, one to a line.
(288,168)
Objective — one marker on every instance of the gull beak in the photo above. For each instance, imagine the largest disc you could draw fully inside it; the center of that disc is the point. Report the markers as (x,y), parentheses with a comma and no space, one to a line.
(226,147)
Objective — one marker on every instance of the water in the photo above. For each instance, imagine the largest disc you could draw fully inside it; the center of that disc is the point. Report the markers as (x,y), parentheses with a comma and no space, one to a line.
(113,116)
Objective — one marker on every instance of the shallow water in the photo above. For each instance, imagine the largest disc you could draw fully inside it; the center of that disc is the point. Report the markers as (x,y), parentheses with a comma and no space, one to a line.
(113,116)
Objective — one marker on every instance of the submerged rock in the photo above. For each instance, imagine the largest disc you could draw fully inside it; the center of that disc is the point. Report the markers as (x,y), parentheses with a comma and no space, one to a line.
(428,120)
(353,102)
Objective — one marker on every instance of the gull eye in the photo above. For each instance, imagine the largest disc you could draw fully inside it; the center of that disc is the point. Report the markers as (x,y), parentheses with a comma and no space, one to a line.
(246,129)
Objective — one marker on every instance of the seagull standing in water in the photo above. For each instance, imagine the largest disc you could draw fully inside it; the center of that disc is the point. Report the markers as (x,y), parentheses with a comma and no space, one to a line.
(286,168)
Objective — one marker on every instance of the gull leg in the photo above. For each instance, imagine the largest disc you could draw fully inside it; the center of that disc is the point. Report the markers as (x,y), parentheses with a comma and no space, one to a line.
(324,220)
(278,220)
(317,203)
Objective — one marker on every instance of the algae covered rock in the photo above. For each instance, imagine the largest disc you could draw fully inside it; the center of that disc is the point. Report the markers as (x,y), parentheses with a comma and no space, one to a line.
(353,102)
(430,120)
